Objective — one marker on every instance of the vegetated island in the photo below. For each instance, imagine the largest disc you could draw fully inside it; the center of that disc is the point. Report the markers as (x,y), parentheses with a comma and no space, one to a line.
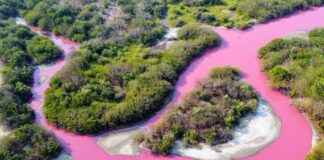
(207,115)
(110,85)
(295,66)
(21,51)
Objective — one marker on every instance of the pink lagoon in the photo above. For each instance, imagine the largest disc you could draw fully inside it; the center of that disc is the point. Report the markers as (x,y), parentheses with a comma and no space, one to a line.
(239,49)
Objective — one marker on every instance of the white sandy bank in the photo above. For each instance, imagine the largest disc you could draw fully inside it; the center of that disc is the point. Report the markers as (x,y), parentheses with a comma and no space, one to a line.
(3,131)
(168,38)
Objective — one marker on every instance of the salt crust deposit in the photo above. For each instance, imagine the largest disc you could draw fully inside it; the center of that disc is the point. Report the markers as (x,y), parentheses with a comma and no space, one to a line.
(169,37)
(315,136)
(3,131)
(120,142)
(298,34)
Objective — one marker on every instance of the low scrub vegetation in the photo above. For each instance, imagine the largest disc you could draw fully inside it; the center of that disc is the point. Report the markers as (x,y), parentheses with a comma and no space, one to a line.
(207,115)
(296,67)
(84,20)
(233,13)
(317,153)
(110,84)
(29,142)
(20,51)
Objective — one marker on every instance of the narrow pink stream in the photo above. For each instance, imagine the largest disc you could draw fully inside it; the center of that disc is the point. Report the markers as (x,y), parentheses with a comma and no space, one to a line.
(239,49)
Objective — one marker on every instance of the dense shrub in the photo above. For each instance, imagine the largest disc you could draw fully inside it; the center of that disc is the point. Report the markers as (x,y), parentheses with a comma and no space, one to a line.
(110,84)
(10,8)
(20,50)
(265,10)
(240,14)
(297,66)
(201,2)
(205,17)
(138,20)
(207,115)
(27,143)
(42,50)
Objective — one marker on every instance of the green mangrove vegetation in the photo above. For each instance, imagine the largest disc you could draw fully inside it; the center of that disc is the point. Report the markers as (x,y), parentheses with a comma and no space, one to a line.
(296,67)
(120,76)
(207,115)
(82,20)
(233,13)
(29,142)
(110,84)
(20,51)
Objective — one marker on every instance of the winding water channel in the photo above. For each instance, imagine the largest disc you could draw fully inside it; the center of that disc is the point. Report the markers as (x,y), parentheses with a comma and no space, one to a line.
(239,49)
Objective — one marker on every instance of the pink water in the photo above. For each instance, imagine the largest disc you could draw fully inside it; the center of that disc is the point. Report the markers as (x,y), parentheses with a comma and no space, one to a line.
(239,49)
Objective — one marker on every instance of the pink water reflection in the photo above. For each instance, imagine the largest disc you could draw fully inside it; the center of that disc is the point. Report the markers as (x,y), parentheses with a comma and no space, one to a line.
(239,50)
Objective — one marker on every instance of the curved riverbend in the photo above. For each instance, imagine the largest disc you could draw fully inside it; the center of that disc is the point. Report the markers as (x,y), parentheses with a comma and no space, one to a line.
(238,50)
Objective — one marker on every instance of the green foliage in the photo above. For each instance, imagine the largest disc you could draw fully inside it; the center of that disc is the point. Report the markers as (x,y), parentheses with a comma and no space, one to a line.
(29,142)
(297,66)
(264,10)
(317,153)
(240,14)
(279,77)
(9,8)
(13,112)
(191,138)
(112,84)
(127,20)
(20,51)
(318,88)
(163,145)
(207,115)
(201,2)
(42,50)
(220,73)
